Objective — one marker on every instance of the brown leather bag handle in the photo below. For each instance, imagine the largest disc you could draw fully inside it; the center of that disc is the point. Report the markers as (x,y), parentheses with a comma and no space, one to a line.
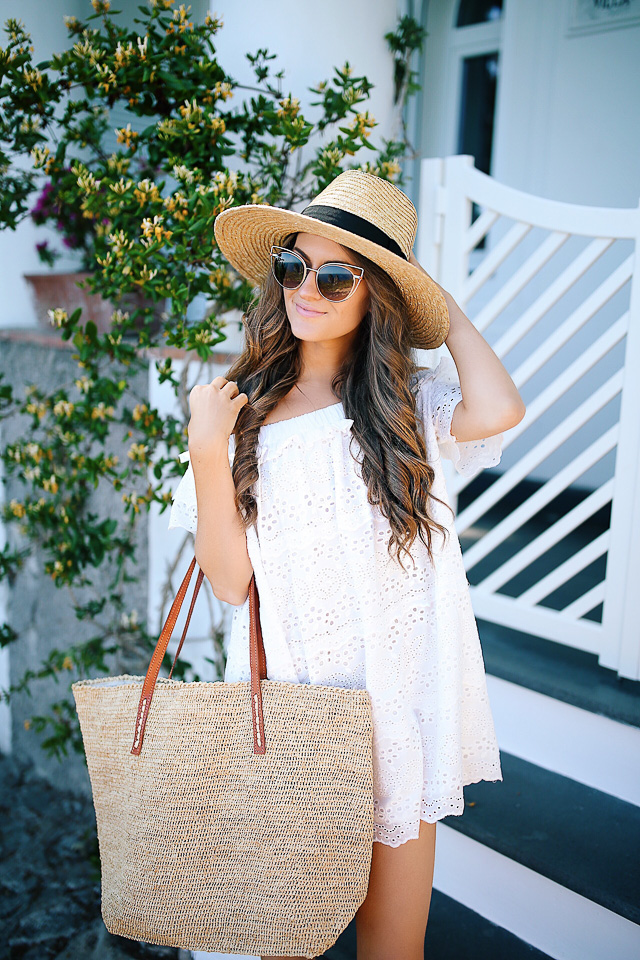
(257,657)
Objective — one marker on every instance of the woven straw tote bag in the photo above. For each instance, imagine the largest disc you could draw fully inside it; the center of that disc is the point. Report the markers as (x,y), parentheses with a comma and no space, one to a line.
(245,824)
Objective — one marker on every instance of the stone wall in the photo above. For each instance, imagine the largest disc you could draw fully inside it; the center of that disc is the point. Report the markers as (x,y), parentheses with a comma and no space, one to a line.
(41,613)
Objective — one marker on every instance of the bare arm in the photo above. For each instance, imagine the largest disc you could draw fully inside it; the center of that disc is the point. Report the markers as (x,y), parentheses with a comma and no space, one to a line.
(490,402)
(221,542)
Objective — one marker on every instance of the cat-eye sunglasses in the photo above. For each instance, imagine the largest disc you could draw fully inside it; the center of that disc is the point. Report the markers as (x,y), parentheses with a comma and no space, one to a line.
(334,281)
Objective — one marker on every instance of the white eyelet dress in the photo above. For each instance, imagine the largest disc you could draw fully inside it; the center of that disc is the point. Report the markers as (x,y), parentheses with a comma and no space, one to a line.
(336,609)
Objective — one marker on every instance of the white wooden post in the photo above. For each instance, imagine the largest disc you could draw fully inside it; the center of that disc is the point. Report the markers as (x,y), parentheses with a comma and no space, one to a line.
(620,648)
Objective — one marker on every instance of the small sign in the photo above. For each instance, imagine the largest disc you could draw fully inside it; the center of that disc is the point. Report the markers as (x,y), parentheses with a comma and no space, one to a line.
(591,16)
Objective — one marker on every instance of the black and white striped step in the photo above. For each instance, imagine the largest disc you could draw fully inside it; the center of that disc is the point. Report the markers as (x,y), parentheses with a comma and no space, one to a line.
(453,933)
(562,672)
(547,854)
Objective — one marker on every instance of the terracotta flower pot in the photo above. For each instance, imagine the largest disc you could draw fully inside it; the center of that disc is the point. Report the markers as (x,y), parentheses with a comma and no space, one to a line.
(52,290)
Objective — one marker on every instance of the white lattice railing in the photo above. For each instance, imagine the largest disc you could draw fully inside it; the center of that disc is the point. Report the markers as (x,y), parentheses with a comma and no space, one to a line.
(555,290)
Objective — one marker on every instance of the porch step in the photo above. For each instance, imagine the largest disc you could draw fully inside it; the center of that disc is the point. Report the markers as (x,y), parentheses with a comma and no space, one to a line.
(572,834)
(453,933)
(564,673)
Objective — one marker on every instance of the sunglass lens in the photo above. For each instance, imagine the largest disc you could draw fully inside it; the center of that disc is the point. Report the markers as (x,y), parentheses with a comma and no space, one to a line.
(288,269)
(335,282)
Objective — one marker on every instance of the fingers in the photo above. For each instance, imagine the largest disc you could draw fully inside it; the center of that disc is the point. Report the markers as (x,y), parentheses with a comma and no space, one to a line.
(229,388)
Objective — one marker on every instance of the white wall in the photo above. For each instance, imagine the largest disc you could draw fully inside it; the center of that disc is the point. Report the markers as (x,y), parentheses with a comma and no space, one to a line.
(310,40)
(567,113)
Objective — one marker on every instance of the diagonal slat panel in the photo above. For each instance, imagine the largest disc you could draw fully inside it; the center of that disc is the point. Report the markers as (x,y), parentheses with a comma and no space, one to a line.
(548,538)
(532,458)
(493,259)
(586,602)
(543,496)
(574,322)
(566,570)
(479,229)
(547,299)
(551,394)
(540,621)
(516,282)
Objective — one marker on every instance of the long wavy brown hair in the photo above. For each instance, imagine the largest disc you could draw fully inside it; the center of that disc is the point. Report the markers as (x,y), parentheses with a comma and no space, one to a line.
(373,385)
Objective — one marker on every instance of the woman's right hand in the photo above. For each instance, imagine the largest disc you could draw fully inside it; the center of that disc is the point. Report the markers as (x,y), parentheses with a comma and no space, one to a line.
(214,410)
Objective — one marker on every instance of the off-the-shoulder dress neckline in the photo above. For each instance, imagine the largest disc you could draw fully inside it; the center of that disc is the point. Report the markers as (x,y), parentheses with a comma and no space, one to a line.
(301,416)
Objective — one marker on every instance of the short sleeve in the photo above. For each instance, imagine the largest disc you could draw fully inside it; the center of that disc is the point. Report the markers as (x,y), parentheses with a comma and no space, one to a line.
(441,394)
(184,507)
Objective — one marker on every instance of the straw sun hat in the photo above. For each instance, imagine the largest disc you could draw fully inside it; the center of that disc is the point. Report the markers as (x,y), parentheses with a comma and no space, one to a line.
(357,210)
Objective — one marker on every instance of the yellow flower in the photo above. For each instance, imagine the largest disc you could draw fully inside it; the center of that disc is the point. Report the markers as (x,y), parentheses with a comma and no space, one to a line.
(40,156)
(67,663)
(134,500)
(34,451)
(180,15)
(83,384)
(138,452)
(153,229)
(17,509)
(360,123)
(127,136)
(33,78)
(101,412)
(289,107)
(220,277)
(145,275)
(39,409)
(50,484)
(390,168)
(146,192)
(222,90)
(101,6)
(57,317)
(119,165)
(63,408)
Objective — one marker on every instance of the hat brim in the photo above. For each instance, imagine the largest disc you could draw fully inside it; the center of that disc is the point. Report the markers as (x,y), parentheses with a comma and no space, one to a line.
(245,235)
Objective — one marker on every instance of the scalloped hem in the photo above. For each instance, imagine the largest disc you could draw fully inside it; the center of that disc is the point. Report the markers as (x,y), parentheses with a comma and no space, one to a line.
(431,812)
(469,457)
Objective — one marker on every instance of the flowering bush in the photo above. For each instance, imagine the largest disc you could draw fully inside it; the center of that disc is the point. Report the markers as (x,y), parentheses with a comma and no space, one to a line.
(78,233)
(139,200)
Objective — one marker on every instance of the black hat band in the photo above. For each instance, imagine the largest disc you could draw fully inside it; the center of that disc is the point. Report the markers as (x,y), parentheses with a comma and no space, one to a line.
(354,224)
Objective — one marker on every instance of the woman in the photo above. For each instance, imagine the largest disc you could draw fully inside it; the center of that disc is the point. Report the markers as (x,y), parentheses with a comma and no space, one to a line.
(316,463)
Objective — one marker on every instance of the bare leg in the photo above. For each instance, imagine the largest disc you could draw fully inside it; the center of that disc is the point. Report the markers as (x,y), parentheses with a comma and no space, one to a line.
(392,920)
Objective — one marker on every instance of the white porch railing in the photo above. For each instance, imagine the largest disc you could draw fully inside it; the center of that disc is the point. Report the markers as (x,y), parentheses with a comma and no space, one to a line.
(556,292)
